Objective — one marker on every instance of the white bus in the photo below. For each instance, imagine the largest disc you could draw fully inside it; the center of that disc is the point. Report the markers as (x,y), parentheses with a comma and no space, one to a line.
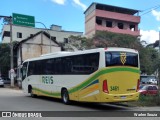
(96,75)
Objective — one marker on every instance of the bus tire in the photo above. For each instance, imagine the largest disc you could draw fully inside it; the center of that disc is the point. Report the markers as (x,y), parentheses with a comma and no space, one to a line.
(32,94)
(65,97)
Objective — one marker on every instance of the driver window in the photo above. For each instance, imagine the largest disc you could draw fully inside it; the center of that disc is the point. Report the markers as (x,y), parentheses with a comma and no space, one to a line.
(24,71)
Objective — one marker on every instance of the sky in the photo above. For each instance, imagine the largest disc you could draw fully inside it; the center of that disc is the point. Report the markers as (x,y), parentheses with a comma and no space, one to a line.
(70,13)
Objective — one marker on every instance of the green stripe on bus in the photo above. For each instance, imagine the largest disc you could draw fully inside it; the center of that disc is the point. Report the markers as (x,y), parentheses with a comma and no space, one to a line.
(101,72)
(91,79)
(46,92)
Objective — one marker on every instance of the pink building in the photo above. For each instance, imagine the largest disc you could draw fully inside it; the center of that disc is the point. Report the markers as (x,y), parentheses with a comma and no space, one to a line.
(111,18)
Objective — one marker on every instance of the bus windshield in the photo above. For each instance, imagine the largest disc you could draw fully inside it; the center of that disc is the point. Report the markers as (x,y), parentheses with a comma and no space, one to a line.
(121,59)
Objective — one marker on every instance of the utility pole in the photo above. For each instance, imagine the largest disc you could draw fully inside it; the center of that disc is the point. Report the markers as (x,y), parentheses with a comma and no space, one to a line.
(11,51)
(159,68)
(159,41)
(8,19)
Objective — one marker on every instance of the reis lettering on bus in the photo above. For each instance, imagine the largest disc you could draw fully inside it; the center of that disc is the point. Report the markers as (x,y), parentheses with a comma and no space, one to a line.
(47,79)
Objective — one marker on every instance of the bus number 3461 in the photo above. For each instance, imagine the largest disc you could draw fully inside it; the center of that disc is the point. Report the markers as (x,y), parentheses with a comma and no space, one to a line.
(114,88)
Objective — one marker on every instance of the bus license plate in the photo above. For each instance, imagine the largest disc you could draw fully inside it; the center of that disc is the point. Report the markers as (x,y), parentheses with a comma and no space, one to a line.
(123,97)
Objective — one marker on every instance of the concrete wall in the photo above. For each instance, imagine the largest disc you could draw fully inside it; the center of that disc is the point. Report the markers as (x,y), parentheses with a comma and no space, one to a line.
(35,47)
(90,24)
(91,27)
(118,16)
(27,31)
(126,27)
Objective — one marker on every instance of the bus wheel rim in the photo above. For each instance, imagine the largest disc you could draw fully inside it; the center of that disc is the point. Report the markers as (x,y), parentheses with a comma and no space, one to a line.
(65,97)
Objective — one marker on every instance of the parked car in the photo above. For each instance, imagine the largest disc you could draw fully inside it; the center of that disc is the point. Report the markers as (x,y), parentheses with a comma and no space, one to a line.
(149,90)
(152,81)
(144,79)
(6,80)
(140,86)
(1,82)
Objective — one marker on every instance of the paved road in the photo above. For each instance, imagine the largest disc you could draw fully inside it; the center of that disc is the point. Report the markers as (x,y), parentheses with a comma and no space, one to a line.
(13,99)
(16,100)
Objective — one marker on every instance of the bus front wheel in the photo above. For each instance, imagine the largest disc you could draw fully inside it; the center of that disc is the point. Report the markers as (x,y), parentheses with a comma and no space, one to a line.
(31,93)
(65,97)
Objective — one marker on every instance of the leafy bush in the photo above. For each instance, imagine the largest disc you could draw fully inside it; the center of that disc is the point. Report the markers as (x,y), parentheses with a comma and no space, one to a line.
(148,100)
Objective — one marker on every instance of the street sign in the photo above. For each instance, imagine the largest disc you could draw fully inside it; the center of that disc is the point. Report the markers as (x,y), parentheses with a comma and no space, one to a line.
(23,20)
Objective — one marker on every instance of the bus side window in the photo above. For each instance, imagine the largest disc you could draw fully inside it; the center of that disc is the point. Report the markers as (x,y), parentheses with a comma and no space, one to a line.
(108,59)
(48,68)
(31,68)
(24,71)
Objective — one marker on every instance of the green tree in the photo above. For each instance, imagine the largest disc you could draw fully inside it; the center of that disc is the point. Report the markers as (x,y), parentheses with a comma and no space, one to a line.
(149,60)
(4,58)
(77,43)
(109,39)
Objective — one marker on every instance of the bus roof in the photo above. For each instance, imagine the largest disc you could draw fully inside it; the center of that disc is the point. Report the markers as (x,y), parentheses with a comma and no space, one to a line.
(65,53)
(120,49)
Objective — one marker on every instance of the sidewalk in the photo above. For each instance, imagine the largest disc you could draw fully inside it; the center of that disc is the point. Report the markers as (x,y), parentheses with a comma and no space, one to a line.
(149,108)
(15,87)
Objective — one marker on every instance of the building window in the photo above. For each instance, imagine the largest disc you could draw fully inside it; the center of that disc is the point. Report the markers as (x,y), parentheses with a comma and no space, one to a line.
(132,27)
(99,22)
(19,35)
(6,34)
(108,23)
(66,40)
(53,38)
(120,25)
(31,35)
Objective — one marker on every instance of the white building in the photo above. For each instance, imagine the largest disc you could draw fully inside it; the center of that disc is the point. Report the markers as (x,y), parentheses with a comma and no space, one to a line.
(20,33)
(33,42)
(34,46)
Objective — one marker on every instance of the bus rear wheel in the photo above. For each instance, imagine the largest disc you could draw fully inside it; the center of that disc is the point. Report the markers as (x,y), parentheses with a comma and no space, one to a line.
(65,97)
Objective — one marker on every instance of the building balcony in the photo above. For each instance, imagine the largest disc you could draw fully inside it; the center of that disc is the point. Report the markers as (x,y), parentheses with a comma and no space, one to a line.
(117,30)
(117,16)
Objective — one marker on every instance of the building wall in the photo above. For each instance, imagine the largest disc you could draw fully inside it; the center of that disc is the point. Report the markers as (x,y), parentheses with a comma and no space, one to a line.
(118,16)
(92,14)
(27,31)
(35,47)
(117,30)
(90,24)
(126,27)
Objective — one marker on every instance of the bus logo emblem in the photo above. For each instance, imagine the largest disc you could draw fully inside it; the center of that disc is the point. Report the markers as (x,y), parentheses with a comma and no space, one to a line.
(123,58)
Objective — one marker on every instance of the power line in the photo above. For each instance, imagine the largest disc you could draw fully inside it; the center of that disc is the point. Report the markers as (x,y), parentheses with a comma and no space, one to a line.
(150,9)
